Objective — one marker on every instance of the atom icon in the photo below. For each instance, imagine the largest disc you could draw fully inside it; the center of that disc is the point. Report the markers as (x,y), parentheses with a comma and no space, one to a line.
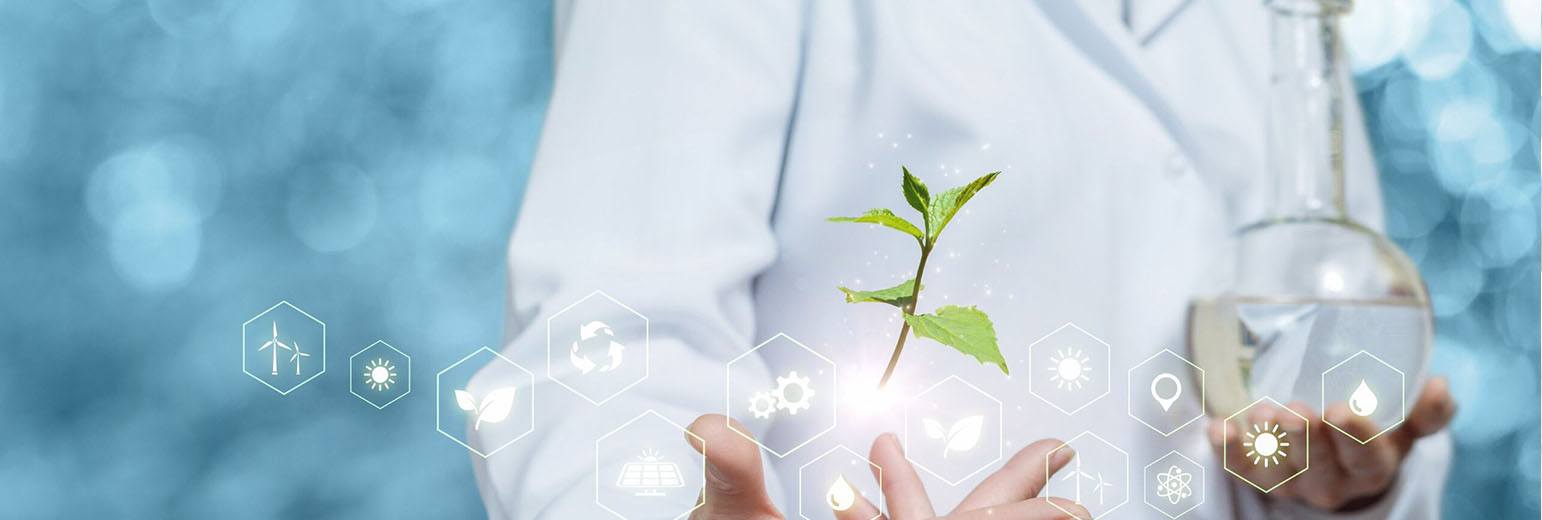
(1173,485)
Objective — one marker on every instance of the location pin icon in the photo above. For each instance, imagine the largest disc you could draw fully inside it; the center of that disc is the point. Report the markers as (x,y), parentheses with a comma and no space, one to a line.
(1156,390)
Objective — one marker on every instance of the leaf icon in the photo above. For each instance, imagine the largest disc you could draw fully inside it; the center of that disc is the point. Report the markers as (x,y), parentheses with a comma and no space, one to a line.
(495,406)
(964,434)
(464,400)
(933,428)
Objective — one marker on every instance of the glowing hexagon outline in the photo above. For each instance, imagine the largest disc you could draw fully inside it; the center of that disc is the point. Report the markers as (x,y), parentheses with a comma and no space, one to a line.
(353,374)
(1402,389)
(439,399)
(1049,473)
(1129,402)
(1307,450)
(647,348)
(285,303)
(1107,368)
(623,426)
(881,498)
(1000,430)
(728,395)
(1146,484)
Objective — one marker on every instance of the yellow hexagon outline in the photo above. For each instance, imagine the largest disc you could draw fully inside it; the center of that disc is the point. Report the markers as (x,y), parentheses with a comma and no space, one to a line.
(1402,389)
(1306,450)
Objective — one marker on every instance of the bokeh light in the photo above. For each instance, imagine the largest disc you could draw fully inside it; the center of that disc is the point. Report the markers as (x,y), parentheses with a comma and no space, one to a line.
(173,167)
(1453,121)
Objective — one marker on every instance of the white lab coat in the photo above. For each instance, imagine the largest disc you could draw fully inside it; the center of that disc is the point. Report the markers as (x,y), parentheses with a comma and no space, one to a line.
(693,149)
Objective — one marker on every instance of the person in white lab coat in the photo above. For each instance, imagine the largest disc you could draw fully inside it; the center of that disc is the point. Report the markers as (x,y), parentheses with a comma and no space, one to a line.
(692,151)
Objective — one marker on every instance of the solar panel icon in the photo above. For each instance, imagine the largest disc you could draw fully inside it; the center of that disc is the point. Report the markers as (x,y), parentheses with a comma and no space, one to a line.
(649,474)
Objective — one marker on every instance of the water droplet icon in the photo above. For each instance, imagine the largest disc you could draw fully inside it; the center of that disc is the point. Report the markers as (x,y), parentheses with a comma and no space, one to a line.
(841,497)
(1363,401)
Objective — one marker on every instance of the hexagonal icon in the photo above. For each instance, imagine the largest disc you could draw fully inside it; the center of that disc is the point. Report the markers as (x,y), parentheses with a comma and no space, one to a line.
(1366,387)
(1069,368)
(646,468)
(953,430)
(490,412)
(380,374)
(1267,444)
(1174,484)
(597,347)
(1166,392)
(798,395)
(837,481)
(1097,477)
(284,347)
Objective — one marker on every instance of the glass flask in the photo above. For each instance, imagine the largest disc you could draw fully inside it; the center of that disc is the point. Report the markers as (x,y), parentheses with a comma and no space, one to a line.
(1304,291)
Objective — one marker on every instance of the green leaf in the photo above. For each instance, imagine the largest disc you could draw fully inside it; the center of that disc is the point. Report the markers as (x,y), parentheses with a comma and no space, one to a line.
(884,217)
(898,296)
(964,328)
(915,192)
(946,204)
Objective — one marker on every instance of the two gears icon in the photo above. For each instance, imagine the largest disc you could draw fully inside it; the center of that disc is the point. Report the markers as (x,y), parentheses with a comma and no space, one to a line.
(792,394)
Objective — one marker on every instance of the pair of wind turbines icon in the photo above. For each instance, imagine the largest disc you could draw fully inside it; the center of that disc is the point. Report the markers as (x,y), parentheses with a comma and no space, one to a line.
(274,344)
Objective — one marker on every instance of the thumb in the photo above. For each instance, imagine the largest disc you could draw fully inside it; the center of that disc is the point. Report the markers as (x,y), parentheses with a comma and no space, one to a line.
(735,488)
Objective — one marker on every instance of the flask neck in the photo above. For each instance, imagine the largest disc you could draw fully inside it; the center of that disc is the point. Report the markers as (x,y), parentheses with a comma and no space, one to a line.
(1306,105)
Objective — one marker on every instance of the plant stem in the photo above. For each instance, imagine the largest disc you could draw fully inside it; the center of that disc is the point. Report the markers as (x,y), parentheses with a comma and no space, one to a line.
(910,309)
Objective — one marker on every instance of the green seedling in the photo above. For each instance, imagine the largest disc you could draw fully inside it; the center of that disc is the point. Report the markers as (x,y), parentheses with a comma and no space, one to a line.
(967,329)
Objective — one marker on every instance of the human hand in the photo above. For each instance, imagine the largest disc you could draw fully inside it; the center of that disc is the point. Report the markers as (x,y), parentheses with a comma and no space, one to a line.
(736,488)
(1344,475)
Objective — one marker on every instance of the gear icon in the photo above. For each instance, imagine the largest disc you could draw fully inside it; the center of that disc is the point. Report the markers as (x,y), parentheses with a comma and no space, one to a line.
(763,404)
(802,394)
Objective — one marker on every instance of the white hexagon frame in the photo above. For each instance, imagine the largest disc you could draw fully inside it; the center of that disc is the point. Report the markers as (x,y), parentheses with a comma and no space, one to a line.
(439,400)
(284,303)
(1402,389)
(1107,368)
(1129,404)
(1146,484)
(880,505)
(623,426)
(1049,473)
(1305,450)
(728,405)
(647,348)
(1000,428)
(353,373)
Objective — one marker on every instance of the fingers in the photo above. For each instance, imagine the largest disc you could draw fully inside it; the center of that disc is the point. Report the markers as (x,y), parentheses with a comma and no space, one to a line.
(1021,478)
(859,510)
(1369,466)
(902,487)
(735,486)
(1432,412)
(1325,486)
(1033,509)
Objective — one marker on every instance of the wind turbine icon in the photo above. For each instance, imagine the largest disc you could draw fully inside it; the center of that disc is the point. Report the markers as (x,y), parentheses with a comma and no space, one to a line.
(274,344)
(296,357)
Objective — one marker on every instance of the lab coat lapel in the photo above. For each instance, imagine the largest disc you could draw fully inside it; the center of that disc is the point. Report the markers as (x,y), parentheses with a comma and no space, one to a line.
(1147,18)
(1116,50)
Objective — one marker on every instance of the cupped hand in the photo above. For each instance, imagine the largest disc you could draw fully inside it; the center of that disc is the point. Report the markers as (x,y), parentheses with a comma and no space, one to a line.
(736,488)
(1344,475)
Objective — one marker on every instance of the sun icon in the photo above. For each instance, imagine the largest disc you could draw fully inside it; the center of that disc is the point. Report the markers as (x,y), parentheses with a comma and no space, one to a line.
(380,374)
(1069,369)
(1266,444)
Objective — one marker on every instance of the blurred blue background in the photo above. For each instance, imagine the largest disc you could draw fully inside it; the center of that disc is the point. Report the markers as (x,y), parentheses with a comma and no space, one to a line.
(163,163)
